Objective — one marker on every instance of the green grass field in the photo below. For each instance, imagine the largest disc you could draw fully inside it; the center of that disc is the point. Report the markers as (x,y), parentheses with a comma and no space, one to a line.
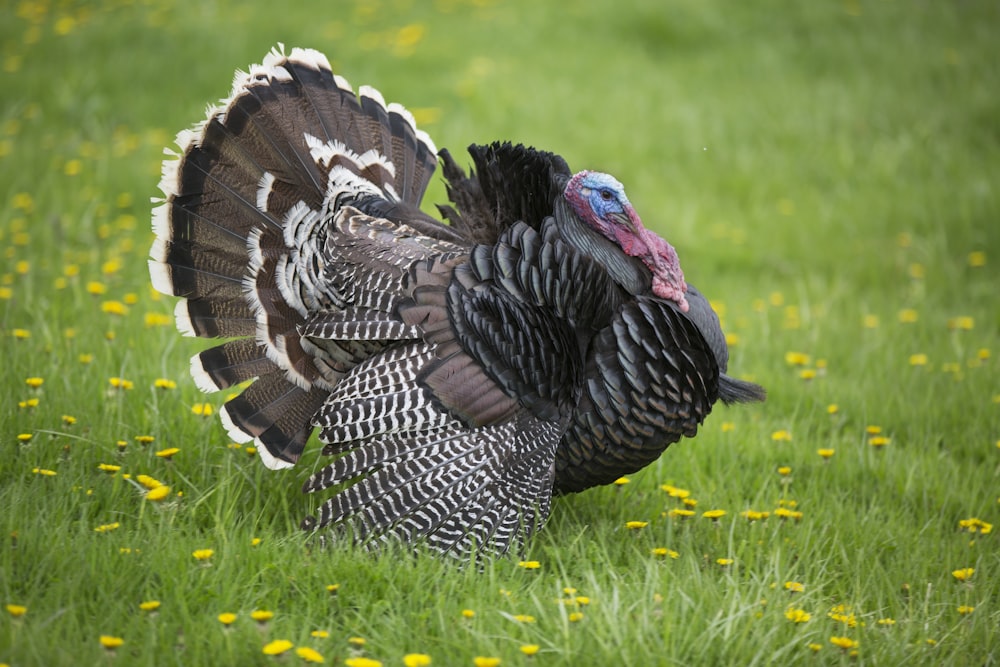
(829,173)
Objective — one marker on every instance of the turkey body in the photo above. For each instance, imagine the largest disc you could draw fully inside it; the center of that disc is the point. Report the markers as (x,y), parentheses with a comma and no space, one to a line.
(541,342)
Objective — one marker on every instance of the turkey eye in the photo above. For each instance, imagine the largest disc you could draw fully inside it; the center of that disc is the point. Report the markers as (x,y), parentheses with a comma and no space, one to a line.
(606,195)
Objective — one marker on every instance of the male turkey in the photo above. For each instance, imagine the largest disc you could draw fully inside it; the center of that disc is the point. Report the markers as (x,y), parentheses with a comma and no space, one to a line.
(461,374)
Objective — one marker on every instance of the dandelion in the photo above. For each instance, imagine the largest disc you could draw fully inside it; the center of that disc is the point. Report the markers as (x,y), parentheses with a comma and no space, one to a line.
(24,437)
(886,622)
(34,382)
(636,525)
(164,383)
(918,359)
(523,618)
(227,618)
(977,258)
(160,493)
(261,615)
(319,634)
(845,643)
(728,426)
(807,374)
(148,481)
(714,515)
(784,471)
(575,617)
(254,542)
(16,610)
(167,453)
(908,316)
(879,441)
(20,334)
(149,605)
(468,613)
(832,409)
(754,515)
(663,552)
(28,404)
(974,525)
(963,574)
(114,308)
(815,648)
(200,554)
(621,481)
(309,654)
(785,513)
(582,600)
(202,409)
(68,420)
(85,358)
(529,564)
(107,527)
(529,649)
(796,358)
(677,513)
(483,661)
(797,615)
(870,321)
(332,588)
(964,323)
(111,643)
(156,319)
(96,288)
(120,383)
(675,492)
(794,587)
(145,439)
(277,647)
(826,453)
(45,472)
(359,661)
(781,436)
(357,642)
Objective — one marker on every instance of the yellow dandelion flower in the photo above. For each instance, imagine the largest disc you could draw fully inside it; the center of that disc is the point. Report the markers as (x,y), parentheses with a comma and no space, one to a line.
(144,439)
(785,513)
(814,647)
(529,564)
(107,527)
(114,308)
(529,649)
(636,525)
(870,321)
(96,288)
(826,453)
(781,435)
(202,409)
(575,617)
(68,420)
(28,404)
(164,383)
(887,622)
(156,320)
(309,654)
(148,481)
(277,647)
(807,374)
(964,323)
(361,661)
(167,453)
(621,481)
(158,494)
(16,610)
(120,383)
(728,426)
(797,615)
(201,554)
(784,471)
(963,574)
(261,615)
(582,600)
(754,515)
(714,515)
(111,643)
(908,316)
(977,258)
(966,609)
(879,441)
(832,409)
(319,634)
(149,605)
(794,587)
(332,588)
(678,513)
(663,552)
(227,618)
(24,437)
(34,382)
(724,562)
(357,642)
(484,661)
(797,358)
(85,358)
(45,472)
(845,643)
(523,618)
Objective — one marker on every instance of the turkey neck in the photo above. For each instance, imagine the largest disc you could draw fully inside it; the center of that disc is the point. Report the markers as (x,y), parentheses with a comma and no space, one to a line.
(631,274)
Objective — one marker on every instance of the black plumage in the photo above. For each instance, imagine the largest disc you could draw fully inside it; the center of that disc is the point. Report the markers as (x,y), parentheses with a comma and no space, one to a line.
(460,374)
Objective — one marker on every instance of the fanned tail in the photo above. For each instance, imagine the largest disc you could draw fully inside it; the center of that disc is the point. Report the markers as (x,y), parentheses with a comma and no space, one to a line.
(248,202)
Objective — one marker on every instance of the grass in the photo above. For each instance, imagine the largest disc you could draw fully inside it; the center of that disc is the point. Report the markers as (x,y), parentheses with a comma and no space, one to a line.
(829,174)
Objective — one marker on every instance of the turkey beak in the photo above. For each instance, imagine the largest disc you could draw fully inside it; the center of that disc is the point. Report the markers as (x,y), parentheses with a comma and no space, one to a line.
(627,220)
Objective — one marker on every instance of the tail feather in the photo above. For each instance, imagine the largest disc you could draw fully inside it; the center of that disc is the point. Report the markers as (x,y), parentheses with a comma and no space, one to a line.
(249,201)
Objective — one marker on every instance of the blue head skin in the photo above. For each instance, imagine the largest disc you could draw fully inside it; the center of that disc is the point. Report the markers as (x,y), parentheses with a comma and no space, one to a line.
(599,200)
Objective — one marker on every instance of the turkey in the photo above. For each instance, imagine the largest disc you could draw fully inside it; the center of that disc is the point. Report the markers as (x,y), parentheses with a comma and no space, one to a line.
(538,341)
